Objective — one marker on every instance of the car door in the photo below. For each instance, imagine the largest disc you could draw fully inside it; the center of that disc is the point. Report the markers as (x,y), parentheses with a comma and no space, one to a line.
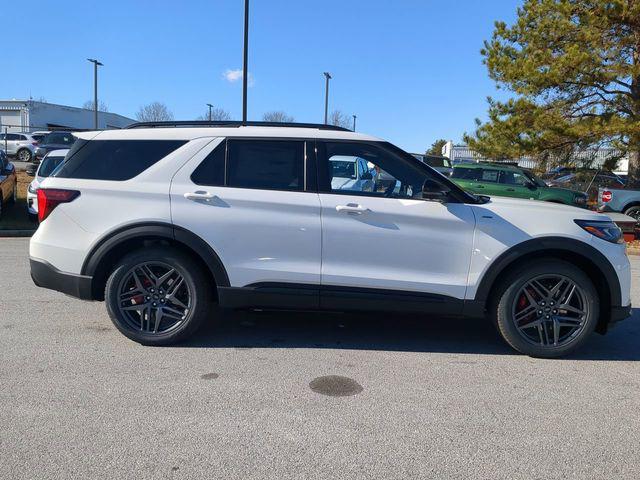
(516,184)
(12,143)
(254,201)
(390,240)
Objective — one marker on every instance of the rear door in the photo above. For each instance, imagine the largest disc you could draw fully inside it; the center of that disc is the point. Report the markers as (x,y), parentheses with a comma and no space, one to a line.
(389,240)
(254,201)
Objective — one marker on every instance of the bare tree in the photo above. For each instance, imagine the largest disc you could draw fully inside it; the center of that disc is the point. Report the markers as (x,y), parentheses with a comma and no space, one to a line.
(277,116)
(217,114)
(102,107)
(154,112)
(340,119)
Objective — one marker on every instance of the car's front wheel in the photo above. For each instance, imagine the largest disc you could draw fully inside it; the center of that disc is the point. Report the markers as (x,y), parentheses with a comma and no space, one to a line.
(547,308)
(158,296)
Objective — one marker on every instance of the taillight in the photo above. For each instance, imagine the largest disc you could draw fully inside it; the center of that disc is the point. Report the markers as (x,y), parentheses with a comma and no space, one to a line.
(50,198)
(606,196)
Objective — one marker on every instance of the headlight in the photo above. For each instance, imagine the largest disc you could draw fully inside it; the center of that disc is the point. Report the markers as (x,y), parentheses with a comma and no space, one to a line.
(32,189)
(580,200)
(606,230)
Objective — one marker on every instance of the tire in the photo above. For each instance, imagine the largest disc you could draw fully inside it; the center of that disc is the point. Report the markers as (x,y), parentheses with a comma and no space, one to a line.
(633,212)
(24,155)
(145,297)
(540,316)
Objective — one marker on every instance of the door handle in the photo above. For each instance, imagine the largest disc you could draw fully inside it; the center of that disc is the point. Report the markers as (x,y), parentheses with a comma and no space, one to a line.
(479,186)
(351,208)
(199,196)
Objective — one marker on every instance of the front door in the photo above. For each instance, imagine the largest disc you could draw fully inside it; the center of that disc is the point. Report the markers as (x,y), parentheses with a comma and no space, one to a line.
(251,201)
(516,184)
(390,240)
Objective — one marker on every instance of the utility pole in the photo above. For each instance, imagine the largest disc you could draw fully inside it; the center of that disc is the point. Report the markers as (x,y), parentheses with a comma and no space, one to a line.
(210,107)
(96,63)
(327,77)
(245,63)
(354,122)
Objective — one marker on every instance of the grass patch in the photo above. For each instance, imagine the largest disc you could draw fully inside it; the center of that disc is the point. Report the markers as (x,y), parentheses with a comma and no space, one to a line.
(16,217)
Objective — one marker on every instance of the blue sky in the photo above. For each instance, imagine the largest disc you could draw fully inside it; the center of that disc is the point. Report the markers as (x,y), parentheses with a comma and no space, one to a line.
(410,69)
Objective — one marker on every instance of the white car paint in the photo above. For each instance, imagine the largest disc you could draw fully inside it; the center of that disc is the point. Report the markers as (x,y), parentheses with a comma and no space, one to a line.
(32,190)
(303,237)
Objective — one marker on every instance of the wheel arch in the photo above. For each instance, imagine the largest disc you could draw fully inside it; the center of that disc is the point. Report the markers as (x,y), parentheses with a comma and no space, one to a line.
(115,245)
(629,205)
(581,254)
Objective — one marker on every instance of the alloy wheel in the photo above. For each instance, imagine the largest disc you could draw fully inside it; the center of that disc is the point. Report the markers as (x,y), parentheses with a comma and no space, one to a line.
(550,310)
(154,298)
(24,156)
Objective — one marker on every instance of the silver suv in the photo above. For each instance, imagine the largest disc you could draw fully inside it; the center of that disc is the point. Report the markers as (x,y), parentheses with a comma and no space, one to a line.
(20,145)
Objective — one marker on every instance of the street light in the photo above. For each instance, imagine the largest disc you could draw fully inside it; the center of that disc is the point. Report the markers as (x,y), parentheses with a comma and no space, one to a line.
(96,63)
(210,107)
(354,122)
(327,76)
(245,63)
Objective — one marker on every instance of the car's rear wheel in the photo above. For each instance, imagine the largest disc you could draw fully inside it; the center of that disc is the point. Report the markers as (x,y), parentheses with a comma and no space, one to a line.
(158,296)
(547,308)
(633,212)
(24,155)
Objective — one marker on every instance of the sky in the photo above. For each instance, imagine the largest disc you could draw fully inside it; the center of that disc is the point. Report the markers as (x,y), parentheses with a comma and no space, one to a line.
(411,70)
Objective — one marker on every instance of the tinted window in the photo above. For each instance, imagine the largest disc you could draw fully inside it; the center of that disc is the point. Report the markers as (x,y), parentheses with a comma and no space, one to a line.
(49,164)
(13,136)
(271,165)
(342,168)
(114,159)
(467,173)
(513,178)
(211,170)
(489,175)
(60,138)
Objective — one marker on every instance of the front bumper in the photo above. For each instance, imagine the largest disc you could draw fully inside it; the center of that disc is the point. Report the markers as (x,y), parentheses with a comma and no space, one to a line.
(46,275)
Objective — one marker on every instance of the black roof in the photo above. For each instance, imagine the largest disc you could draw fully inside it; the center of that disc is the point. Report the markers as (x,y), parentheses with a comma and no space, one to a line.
(232,124)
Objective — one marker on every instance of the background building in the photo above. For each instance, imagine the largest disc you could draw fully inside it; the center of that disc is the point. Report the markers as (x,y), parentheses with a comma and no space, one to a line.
(594,157)
(30,115)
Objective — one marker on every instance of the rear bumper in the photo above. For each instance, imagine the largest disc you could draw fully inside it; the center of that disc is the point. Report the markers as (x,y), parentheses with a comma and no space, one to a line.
(46,275)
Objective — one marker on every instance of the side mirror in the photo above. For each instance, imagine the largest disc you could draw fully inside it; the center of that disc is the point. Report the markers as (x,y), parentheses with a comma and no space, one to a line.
(434,191)
(367,176)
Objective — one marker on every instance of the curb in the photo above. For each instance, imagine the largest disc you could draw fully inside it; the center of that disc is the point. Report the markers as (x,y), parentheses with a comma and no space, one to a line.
(16,233)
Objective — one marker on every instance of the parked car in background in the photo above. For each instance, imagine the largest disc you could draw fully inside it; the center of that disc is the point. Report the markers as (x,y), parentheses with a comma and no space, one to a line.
(588,181)
(512,181)
(8,182)
(39,135)
(619,200)
(48,164)
(20,145)
(54,141)
(440,164)
(351,173)
(166,224)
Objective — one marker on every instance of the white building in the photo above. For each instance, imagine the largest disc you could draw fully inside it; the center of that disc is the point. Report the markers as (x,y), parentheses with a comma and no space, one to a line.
(29,115)
(462,154)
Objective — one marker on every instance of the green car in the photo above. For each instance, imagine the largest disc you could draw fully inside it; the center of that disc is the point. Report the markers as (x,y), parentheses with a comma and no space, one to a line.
(512,181)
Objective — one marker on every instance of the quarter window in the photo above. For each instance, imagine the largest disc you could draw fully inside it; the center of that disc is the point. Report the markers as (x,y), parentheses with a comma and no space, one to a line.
(267,165)
(211,170)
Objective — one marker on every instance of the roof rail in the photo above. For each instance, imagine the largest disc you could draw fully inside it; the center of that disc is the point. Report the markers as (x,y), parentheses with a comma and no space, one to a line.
(232,124)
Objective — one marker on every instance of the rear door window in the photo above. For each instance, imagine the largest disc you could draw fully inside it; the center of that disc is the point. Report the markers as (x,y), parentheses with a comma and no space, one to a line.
(114,159)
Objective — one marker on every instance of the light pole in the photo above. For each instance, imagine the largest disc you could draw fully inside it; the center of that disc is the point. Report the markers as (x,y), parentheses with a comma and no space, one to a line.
(354,122)
(96,63)
(210,107)
(327,77)
(245,63)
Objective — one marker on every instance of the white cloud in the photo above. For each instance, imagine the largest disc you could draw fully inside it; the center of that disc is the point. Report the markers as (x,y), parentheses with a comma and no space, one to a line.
(233,76)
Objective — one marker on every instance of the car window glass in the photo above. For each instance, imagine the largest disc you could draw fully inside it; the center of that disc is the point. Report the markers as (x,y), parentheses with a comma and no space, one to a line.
(467,173)
(513,178)
(211,169)
(60,138)
(49,164)
(13,136)
(269,165)
(114,159)
(389,175)
(489,176)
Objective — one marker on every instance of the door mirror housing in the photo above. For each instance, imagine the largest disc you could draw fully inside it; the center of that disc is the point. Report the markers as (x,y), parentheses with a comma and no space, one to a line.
(434,191)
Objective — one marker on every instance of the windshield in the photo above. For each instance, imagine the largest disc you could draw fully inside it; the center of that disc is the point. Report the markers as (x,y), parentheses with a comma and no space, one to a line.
(534,179)
(49,164)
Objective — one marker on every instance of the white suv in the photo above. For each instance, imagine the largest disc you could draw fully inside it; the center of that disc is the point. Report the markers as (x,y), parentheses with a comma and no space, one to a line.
(163,223)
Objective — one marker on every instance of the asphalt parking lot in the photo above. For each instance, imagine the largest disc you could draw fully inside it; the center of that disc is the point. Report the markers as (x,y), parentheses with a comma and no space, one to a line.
(424,398)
